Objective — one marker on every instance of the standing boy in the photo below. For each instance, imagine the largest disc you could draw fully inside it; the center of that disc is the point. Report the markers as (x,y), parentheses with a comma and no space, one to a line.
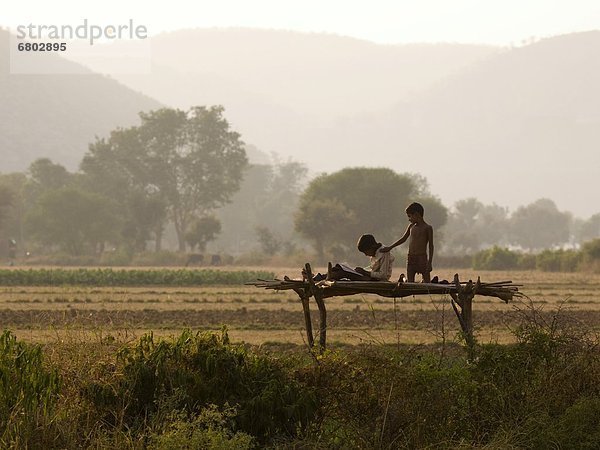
(421,240)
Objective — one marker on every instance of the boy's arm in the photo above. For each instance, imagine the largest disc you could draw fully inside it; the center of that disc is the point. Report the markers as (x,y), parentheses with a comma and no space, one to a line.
(430,241)
(400,241)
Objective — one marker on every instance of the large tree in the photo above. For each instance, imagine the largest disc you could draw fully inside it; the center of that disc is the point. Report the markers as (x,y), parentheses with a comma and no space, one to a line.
(6,200)
(473,225)
(338,208)
(589,229)
(77,221)
(202,231)
(45,175)
(16,201)
(191,160)
(539,225)
(324,222)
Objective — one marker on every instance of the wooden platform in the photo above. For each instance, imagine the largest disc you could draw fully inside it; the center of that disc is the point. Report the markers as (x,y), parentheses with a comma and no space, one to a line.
(460,293)
(504,290)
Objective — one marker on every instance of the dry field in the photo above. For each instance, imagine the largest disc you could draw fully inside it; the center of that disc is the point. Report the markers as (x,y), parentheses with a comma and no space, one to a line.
(258,316)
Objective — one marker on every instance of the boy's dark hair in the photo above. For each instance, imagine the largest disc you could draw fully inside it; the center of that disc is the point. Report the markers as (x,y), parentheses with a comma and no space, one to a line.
(367,241)
(415,207)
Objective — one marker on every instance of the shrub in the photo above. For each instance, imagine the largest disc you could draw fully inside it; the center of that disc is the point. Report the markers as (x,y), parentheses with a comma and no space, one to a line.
(591,250)
(196,370)
(558,260)
(28,392)
(591,256)
(527,261)
(579,426)
(210,429)
(454,261)
(495,258)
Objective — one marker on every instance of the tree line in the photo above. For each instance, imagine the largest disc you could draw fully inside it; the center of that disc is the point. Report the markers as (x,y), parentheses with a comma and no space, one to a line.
(186,174)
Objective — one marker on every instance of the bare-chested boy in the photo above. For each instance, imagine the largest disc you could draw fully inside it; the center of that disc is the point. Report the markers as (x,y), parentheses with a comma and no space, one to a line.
(421,240)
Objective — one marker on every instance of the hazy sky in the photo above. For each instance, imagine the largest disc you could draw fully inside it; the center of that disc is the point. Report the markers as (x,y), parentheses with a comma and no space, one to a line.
(500,22)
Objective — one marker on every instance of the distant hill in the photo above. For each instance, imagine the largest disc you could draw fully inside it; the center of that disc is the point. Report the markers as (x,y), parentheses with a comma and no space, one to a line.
(56,116)
(521,125)
(282,88)
(316,74)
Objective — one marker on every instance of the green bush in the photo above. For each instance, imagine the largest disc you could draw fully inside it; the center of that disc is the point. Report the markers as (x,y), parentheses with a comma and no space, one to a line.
(210,430)
(28,392)
(495,258)
(591,249)
(558,260)
(590,260)
(579,426)
(527,261)
(453,261)
(163,376)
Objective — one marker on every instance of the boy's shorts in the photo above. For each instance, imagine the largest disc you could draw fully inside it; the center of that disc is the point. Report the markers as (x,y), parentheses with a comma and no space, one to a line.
(417,264)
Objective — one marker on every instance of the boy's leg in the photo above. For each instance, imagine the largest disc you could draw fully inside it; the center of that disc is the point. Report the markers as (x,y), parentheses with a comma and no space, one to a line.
(410,273)
(426,277)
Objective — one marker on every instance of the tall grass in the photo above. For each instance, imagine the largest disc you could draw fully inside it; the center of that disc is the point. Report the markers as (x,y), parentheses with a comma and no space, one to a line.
(201,391)
(28,392)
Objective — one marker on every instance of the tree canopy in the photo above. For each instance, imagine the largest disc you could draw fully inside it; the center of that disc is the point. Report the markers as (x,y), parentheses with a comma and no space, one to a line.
(191,161)
(73,219)
(338,208)
(540,225)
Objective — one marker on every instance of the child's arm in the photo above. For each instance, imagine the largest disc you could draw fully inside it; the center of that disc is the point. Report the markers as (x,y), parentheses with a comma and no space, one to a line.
(430,241)
(400,241)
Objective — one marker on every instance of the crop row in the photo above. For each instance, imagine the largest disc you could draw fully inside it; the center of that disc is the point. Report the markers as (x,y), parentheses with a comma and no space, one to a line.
(110,277)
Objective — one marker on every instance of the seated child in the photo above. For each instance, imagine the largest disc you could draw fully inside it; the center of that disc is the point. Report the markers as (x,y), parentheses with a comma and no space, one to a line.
(381,263)
(379,269)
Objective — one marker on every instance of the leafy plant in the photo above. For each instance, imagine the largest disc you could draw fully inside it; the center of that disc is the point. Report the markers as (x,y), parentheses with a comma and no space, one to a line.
(28,390)
(197,370)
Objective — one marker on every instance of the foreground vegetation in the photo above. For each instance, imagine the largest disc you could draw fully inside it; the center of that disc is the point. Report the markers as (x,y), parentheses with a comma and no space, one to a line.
(198,390)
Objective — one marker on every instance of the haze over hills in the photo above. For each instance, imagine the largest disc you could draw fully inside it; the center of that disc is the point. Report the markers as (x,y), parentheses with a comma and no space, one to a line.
(504,125)
(314,74)
(283,90)
(519,126)
(57,116)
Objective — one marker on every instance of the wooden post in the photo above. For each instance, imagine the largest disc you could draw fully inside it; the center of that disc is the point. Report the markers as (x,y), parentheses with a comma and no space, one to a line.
(322,320)
(466,295)
(318,294)
(307,321)
(464,298)
(304,295)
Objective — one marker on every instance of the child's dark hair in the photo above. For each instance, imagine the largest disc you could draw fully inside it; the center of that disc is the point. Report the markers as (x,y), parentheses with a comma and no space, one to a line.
(367,241)
(415,207)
